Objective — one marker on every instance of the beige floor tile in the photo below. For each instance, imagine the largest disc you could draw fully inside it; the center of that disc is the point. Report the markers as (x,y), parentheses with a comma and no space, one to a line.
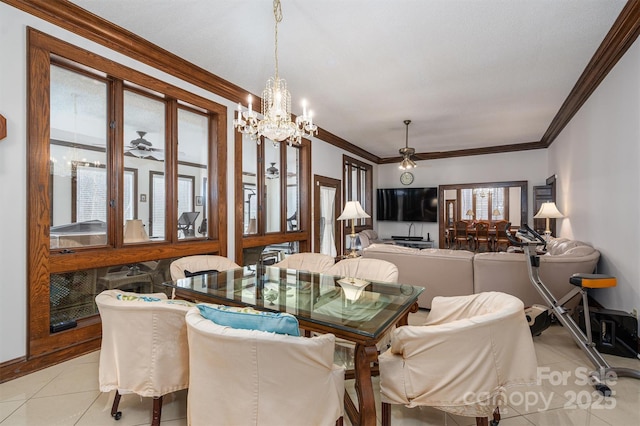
(67,394)
(75,378)
(532,399)
(25,387)
(624,407)
(7,408)
(61,410)
(135,410)
(420,416)
(573,417)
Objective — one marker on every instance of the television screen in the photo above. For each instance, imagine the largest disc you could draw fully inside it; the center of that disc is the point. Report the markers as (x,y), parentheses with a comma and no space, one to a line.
(408,204)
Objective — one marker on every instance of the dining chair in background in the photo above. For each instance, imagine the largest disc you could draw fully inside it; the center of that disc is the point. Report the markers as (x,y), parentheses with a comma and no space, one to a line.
(366,269)
(481,237)
(190,265)
(461,234)
(502,228)
(312,262)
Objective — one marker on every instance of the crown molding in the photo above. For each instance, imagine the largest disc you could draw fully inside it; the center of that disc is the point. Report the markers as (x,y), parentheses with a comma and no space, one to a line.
(71,17)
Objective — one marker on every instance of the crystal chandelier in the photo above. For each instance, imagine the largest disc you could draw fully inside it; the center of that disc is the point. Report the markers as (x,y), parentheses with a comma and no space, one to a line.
(276,123)
(406,152)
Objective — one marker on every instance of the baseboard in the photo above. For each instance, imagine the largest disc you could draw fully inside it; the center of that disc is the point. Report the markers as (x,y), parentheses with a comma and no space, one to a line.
(22,366)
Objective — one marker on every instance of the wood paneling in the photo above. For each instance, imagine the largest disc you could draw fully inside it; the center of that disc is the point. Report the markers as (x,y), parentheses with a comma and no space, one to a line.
(3,127)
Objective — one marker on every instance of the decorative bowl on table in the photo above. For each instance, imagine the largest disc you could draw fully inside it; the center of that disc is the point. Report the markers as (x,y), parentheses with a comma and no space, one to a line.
(352,287)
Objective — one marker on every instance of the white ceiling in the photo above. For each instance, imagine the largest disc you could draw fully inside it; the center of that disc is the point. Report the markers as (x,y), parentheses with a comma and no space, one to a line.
(468,73)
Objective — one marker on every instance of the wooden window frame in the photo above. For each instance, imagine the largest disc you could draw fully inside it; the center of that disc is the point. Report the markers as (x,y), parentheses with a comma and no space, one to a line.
(46,348)
(302,235)
(348,163)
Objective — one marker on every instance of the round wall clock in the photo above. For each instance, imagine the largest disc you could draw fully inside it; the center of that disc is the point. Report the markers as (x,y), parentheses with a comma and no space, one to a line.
(406,178)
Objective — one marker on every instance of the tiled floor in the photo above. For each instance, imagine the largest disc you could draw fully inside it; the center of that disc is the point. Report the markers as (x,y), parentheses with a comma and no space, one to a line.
(67,394)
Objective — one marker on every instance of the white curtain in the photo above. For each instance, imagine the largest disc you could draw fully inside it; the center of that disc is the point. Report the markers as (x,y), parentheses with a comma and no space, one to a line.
(327,219)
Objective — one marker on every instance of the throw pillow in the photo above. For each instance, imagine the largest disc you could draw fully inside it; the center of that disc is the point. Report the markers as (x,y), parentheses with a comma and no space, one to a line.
(250,319)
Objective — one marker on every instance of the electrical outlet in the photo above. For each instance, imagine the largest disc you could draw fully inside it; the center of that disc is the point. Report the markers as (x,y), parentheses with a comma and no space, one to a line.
(634,312)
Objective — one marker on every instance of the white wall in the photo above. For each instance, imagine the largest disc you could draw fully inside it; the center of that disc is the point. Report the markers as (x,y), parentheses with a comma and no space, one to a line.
(526,165)
(597,158)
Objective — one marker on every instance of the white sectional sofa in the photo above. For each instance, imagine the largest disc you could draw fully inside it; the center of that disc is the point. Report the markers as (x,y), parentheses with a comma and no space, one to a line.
(460,272)
(440,272)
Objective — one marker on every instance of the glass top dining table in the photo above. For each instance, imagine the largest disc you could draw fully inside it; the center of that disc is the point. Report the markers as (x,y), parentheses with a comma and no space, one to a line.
(360,311)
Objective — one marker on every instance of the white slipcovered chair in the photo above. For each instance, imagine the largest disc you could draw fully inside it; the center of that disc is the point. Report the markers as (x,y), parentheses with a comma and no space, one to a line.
(461,360)
(200,263)
(312,262)
(144,347)
(251,377)
(366,269)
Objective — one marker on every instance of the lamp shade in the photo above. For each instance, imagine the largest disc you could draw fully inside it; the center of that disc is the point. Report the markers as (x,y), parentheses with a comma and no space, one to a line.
(548,210)
(353,210)
(134,231)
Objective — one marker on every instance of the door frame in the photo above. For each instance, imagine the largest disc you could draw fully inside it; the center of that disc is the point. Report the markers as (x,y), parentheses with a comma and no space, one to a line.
(319,182)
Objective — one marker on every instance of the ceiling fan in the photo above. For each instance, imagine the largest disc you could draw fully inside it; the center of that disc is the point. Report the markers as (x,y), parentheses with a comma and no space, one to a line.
(142,148)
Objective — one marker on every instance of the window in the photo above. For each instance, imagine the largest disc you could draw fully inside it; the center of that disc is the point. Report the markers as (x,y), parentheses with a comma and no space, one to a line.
(273,196)
(488,204)
(99,131)
(88,192)
(358,186)
(78,157)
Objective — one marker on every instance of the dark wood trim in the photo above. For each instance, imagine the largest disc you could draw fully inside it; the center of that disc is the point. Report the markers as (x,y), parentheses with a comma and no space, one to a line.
(3,127)
(524,200)
(620,37)
(319,181)
(468,152)
(43,347)
(79,21)
(347,187)
(260,238)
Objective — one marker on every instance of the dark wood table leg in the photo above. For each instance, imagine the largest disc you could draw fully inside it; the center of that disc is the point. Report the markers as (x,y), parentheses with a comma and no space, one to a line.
(363,357)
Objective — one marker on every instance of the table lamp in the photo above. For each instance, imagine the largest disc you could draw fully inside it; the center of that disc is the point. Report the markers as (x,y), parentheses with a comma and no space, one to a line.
(353,210)
(548,210)
(470,214)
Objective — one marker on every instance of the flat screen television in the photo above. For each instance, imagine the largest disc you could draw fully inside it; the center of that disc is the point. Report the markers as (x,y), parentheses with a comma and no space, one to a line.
(408,204)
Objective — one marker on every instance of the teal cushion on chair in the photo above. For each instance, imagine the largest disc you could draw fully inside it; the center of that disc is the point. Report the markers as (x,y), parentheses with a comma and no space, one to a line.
(250,319)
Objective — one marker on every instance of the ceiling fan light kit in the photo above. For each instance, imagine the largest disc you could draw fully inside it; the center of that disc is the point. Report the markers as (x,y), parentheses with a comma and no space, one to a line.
(406,152)
(142,148)
(276,121)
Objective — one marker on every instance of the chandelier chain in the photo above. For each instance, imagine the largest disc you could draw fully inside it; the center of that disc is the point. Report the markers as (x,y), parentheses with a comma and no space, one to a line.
(277,13)
(276,123)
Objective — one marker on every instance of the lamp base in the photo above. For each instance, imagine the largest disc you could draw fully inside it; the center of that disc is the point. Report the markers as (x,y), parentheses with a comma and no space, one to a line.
(547,236)
(353,253)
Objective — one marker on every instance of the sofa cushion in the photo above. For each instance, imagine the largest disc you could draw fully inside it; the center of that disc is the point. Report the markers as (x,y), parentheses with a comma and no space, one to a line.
(440,272)
(392,248)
